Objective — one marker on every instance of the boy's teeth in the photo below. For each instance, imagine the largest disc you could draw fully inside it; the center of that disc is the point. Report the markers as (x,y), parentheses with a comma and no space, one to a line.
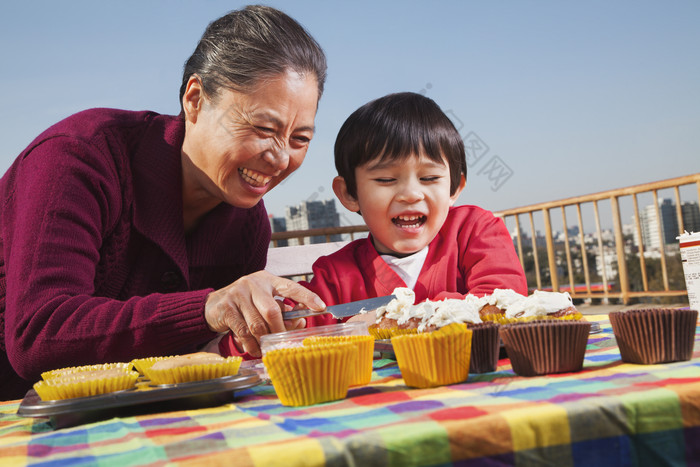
(411,221)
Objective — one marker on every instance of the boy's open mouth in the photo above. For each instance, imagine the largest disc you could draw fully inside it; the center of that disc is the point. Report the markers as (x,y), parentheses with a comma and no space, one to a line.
(409,222)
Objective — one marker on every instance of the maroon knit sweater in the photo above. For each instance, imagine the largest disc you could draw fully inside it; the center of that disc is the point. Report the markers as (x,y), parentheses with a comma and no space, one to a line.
(94,263)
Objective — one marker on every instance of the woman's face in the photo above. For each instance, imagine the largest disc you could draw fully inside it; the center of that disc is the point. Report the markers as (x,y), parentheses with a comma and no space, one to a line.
(239,146)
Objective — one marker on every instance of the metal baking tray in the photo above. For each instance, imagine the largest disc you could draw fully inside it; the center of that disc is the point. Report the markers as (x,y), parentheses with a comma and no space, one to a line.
(147,399)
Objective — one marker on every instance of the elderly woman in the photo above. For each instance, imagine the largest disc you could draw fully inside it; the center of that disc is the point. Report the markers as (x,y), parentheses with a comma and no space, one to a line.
(132,234)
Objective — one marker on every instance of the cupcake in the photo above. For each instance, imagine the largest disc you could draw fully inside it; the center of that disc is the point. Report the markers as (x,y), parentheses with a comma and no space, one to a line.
(143,364)
(85,368)
(434,358)
(403,317)
(311,374)
(494,306)
(399,316)
(192,367)
(68,383)
(541,347)
(655,335)
(361,372)
(542,305)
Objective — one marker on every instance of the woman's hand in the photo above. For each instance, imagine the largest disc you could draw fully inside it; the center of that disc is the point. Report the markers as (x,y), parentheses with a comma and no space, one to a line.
(248,308)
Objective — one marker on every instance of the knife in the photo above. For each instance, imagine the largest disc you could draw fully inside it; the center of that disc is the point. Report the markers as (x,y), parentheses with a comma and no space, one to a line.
(343,310)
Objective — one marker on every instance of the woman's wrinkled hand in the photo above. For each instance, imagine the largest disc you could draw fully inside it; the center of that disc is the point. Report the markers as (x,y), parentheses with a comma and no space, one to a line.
(250,309)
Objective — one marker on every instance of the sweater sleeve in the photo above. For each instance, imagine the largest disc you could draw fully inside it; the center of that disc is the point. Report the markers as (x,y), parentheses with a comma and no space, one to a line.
(66,197)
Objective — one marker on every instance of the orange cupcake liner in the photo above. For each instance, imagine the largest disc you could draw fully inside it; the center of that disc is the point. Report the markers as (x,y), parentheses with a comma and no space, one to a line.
(143,364)
(85,383)
(311,374)
(434,358)
(362,370)
(388,333)
(85,369)
(194,372)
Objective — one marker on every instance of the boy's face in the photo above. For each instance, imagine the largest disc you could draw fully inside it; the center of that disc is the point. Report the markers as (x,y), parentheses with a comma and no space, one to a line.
(404,203)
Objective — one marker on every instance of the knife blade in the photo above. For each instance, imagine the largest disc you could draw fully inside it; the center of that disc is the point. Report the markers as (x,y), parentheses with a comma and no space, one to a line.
(343,310)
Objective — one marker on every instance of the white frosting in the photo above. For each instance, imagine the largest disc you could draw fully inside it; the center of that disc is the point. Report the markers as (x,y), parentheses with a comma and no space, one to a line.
(404,299)
(440,313)
(502,298)
(540,303)
(454,310)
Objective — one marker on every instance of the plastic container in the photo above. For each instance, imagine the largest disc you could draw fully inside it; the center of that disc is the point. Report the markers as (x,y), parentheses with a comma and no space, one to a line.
(284,340)
(314,365)
(690,257)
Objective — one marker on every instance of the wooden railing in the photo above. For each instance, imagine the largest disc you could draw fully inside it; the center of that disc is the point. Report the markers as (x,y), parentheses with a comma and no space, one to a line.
(302,236)
(555,265)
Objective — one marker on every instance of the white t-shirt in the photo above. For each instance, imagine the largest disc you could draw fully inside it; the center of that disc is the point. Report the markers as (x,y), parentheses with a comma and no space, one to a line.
(408,268)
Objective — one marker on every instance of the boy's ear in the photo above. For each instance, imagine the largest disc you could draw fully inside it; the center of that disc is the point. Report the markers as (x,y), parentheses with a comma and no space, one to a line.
(458,191)
(340,188)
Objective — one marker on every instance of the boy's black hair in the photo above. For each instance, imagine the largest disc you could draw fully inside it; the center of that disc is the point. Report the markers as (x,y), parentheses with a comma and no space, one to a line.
(397,126)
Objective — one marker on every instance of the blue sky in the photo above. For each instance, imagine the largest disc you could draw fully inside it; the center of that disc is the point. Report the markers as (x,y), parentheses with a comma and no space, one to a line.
(564,98)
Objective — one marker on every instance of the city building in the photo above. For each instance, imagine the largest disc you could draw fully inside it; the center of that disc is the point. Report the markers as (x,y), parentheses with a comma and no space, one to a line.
(664,227)
(691,216)
(313,215)
(279,224)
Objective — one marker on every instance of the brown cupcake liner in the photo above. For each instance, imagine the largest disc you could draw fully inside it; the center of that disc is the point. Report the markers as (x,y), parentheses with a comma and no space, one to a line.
(654,335)
(546,346)
(485,347)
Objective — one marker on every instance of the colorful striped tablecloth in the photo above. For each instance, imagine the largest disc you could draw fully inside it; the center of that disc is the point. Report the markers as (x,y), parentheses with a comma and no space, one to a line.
(609,414)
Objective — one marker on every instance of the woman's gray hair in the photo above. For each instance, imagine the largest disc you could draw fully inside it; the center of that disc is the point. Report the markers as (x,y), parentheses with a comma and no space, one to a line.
(246,46)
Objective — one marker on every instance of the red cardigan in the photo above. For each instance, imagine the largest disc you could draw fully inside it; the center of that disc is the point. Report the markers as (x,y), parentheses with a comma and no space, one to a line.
(94,262)
(471,254)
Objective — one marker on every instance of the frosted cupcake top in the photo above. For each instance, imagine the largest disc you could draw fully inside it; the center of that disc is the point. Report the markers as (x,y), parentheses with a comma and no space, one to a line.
(539,304)
(441,313)
(430,313)
(502,298)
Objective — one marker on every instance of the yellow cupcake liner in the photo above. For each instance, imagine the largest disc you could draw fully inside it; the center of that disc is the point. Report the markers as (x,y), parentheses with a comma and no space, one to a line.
(85,383)
(388,333)
(501,319)
(194,372)
(85,369)
(434,358)
(143,364)
(311,374)
(362,370)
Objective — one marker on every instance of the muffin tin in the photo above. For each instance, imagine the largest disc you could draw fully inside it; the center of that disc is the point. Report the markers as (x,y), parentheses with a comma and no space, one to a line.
(146,399)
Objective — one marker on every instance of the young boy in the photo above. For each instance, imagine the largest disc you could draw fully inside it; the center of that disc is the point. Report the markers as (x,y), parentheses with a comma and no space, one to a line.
(401,165)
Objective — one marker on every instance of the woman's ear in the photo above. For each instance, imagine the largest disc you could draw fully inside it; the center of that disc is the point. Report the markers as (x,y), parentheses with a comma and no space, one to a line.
(458,191)
(193,98)
(340,188)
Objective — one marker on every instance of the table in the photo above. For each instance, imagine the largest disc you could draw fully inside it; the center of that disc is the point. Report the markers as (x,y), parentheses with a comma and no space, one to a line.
(609,414)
